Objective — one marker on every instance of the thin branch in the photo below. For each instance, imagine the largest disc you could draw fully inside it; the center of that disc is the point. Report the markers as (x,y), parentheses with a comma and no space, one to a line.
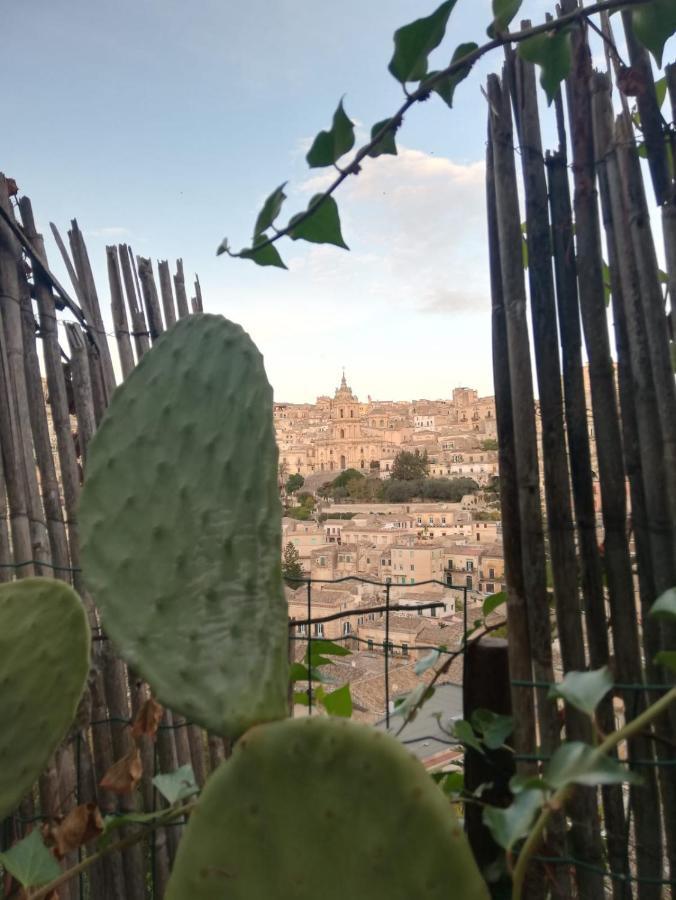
(129,841)
(560,797)
(423,91)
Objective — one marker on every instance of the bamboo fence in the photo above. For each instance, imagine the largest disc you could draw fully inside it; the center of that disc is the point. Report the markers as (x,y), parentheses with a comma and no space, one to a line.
(605,574)
(46,424)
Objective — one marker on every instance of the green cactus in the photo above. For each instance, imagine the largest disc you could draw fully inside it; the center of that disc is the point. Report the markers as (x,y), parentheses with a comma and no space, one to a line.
(44,661)
(321,807)
(181,527)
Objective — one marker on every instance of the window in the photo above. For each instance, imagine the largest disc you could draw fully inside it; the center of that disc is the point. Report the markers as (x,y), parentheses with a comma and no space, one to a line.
(352,414)
(431,520)
(369,644)
(490,587)
(404,649)
(478,536)
(346,628)
(443,520)
(342,432)
(469,581)
(412,581)
(321,561)
(412,568)
(388,648)
(319,629)
(469,566)
(420,612)
(302,629)
(491,573)
(342,413)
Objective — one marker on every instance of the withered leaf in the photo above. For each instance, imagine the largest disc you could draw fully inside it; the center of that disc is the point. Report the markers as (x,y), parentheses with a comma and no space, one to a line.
(80,826)
(123,776)
(147,719)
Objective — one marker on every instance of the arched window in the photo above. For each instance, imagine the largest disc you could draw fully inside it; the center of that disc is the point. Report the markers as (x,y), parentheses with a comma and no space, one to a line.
(342,413)
(342,432)
(352,414)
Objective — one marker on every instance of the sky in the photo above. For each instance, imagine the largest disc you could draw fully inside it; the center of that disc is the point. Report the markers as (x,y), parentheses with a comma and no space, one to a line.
(165,124)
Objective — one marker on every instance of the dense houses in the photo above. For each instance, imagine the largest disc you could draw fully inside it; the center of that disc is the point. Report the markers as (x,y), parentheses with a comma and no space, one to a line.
(341,432)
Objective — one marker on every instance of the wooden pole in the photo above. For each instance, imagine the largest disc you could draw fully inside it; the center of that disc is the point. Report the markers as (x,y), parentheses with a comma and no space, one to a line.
(532,537)
(485,685)
(179,289)
(585,833)
(198,306)
(609,446)
(149,290)
(138,319)
(165,291)
(82,387)
(119,314)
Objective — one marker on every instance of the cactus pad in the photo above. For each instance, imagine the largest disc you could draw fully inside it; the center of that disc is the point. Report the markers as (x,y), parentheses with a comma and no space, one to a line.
(322,807)
(181,527)
(44,661)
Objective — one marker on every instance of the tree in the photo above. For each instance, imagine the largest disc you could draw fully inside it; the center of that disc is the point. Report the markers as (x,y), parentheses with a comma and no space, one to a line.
(395,491)
(409,466)
(294,483)
(305,498)
(291,565)
(346,476)
(489,444)
(453,489)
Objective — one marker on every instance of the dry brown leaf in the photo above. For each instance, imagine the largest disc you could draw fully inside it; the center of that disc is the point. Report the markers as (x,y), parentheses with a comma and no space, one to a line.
(123,776)
(631,81)
(80,826)
(147,719)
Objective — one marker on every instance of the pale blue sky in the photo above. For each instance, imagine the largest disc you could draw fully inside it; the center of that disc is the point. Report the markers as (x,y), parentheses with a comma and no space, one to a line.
(165,124)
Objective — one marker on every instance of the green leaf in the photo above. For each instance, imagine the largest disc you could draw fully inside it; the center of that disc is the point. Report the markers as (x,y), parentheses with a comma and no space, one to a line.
(405,705)
(427,662)
(413,43)
(494,728)
(298,672)
(177,785)
(654,23)
(661,90)
(329,146)
(464,733)
(386,145)
(452,783)
(266,256)
(322,227)
(446,86)
(301,698)
(667,658)
(270,211)
(584,690)
(339,702)
(509,825)
(665,605)
(328,647)
(223,247)
(503,13)
(519,783)
(551,51)
(578,763)
(30,862)
(493,602)
(607,284)
(524,253)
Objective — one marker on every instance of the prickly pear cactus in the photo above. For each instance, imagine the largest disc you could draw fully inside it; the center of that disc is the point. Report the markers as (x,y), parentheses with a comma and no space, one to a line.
(44,661)
(327,808)
(181,527)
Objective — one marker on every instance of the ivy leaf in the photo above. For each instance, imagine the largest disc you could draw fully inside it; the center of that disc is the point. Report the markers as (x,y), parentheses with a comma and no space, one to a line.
(665,605)
(413,43)
(584,690)
(339,702)
(178,785)
(386,145)
(328,647)
(30,862)
(493,602)
(667,658)
(322,227)
(266,256)
(329,146)
(551,51)
(452,783)
(503,13)
(446,86)
(509,825)
(661,90)
(578,763)
(654,23)
(494,728)
(464,733)
(427,662)
(405,705)
(301,698)
(519,783)
(270,211)
(298,672)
